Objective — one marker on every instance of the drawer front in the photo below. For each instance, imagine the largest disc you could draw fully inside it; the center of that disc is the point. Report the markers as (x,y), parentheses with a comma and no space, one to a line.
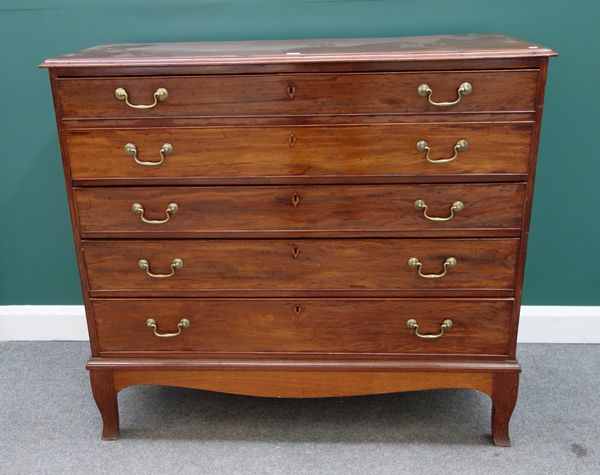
(299,210)
(299,152)
(298,94)
(330,266)
(304,326)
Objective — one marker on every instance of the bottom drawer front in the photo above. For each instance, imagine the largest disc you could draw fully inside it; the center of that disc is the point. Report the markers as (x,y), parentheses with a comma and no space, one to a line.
(304,325)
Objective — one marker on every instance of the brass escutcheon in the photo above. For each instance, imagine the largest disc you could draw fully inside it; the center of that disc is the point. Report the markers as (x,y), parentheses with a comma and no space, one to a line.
(291,90)
(295,199)
(295,251)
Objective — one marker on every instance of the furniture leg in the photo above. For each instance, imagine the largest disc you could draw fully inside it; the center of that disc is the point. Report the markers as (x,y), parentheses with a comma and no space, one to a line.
(105,395)
(504,397)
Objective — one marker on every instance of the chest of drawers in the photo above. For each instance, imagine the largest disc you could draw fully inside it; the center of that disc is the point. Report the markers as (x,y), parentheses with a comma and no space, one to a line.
(302,218)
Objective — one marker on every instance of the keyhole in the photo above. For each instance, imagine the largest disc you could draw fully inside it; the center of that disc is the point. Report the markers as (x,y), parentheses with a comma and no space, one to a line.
(298,310)
(295,199)
(292,140)
(295,251)
(291,90)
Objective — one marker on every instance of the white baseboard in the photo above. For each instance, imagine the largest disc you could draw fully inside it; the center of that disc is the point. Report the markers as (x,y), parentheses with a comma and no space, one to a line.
(538,324)
(43,322)
(555,324)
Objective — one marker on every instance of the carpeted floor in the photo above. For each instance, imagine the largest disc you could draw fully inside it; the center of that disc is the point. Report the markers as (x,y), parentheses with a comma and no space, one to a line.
(50,424)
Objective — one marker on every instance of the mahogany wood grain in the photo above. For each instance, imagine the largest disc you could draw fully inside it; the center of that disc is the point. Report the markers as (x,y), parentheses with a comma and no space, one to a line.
(470,64)
(447,118)
(105,395)
(73,215)
(297,152)
(288,384)
(338,258)
(424,49)
(305,384)
(332,364)
(505,388)
(280,266)
(303,326)
(314,94)
(297,211)
(528,205)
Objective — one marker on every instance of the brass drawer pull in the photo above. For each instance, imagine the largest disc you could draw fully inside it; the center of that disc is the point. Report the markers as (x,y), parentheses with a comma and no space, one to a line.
(160,95)
(463,90)
(175,264)
(415,263)
(456,207)
(131,150)
(445,325)
(460,146)
(137,208)
(183,323)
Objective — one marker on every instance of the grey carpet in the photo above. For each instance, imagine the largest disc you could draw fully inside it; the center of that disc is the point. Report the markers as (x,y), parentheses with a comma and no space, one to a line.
(49,424)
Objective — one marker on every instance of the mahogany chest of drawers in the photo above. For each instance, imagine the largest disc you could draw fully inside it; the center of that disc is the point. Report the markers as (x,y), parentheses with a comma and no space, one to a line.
(302,218)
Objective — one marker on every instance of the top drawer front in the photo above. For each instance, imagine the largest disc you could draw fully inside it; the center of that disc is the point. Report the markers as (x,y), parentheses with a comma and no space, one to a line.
(296,94)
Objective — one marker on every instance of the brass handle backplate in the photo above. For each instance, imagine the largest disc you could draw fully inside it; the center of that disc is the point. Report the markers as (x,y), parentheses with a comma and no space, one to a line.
(460,146)
(176,263)
(445,325)
(160,95)
(463,90)
(183,323)
(131,150)
(415,263)
(137,208)
(456,207)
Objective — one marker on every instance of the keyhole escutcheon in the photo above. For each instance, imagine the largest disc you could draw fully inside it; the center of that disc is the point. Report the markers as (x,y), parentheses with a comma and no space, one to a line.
(291,90)
(295,251)
(295,199)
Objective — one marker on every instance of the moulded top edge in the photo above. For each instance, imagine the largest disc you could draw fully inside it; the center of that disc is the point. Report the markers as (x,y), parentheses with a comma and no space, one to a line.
(417,48)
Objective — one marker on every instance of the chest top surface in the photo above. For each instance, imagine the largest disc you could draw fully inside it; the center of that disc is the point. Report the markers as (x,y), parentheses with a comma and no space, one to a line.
(299,51)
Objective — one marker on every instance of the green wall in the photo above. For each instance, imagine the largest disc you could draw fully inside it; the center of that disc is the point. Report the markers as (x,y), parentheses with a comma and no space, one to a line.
(37,259)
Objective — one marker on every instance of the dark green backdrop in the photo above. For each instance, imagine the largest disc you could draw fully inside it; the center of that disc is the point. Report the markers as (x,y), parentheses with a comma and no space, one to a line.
(37,259)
